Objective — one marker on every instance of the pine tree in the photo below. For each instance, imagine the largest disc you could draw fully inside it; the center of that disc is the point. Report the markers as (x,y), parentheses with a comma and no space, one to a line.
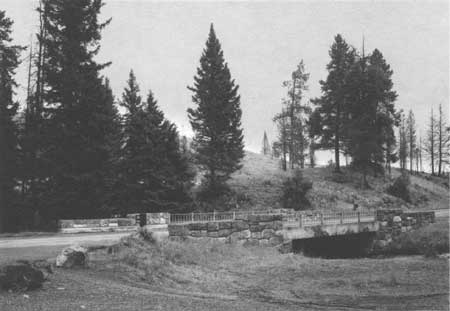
(280,146)
(154,174)
(79,112)
(403,143)
(297,113)
(216,120)
(443,141)
(9,153)
(430,145)
(411,136)
(332,105)
(265,145)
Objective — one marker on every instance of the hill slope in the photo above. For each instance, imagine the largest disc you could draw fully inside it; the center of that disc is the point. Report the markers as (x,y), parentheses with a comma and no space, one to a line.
(259,185)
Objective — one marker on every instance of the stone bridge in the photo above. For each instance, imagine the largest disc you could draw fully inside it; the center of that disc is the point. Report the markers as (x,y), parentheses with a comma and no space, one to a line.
(277,227)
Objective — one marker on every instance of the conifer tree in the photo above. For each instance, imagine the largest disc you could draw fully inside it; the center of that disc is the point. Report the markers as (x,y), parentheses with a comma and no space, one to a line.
(411,136)
(79,113)
(265,145)
(9,61)
(403,143)
(332,104)
(154,174)
(216,119)
(430,144)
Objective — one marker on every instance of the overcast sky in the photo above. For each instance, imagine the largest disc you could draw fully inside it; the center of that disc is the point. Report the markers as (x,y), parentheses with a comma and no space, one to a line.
(263,42)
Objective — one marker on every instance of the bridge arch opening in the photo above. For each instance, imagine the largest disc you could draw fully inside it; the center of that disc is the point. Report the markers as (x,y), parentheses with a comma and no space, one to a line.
(338,246)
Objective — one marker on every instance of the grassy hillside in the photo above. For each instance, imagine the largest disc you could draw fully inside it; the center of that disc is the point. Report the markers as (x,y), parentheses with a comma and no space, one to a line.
(258,186)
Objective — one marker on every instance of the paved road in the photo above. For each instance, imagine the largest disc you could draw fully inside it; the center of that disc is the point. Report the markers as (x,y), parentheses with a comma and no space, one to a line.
(63,239)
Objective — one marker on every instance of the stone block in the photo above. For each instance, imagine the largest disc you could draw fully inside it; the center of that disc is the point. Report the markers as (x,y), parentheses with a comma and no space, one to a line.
(198,226)
(256,228)
(275,240)
(256,235)
(213,226)
(224,232)
(267,233)
(178,230)
(277,225)
(245,234)
(225,225)
(240,225)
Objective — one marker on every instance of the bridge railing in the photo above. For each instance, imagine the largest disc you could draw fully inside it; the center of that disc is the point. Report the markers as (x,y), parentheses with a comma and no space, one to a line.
(303,218)
(309,219)
(218,216)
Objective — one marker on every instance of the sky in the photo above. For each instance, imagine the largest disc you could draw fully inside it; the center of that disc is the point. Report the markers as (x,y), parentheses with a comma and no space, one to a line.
(263,42)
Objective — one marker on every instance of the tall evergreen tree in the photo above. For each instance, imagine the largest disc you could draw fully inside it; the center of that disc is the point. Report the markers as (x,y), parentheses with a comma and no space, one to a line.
(297,113)
(443,141)
(216,120)
(403,143)
(265,145)
(411,136)
(9,61)
(79,113)
(154,174)
(280,146)
(332,104)
(430,145)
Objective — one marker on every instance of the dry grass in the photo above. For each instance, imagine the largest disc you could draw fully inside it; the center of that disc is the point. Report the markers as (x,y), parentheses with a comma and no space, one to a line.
(139,275)
(261,178)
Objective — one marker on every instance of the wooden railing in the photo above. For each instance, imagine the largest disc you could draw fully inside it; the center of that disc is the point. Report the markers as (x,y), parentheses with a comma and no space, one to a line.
(218,216)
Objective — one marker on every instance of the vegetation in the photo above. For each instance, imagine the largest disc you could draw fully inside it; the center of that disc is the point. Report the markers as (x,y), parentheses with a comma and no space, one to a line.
(216,120)
(400,187)
(295,189)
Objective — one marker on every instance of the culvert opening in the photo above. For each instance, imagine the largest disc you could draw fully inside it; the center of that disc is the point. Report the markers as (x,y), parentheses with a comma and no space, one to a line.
(339,246)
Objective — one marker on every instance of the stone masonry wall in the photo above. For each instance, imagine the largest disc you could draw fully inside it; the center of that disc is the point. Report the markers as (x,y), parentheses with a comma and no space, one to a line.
(393,222)
(246,229)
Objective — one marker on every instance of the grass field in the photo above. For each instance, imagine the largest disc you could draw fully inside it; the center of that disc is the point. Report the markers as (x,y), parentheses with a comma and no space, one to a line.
(138,275)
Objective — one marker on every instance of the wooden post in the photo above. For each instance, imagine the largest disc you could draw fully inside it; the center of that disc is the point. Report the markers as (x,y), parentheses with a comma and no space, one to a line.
(359,217)
(301,221)
(192,217)
(321,219)
(342,218)
(214,215)
(234,215)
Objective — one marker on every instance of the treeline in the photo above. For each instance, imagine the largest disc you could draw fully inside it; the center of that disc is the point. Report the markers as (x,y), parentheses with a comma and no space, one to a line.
(356,117)
(70,154)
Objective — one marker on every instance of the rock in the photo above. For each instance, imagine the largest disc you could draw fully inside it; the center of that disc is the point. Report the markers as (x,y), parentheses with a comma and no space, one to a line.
(225,225)
(178,230)
(275,240)
(213,226)
(397,219)
(72,256)
(198,226)
(224,232)
(264,242)
(267,233)
(285,248)
(240,225)
(256,235)
(20,276)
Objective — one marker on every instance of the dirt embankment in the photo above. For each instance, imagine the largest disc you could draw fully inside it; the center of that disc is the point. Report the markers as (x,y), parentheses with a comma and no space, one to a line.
(258,185)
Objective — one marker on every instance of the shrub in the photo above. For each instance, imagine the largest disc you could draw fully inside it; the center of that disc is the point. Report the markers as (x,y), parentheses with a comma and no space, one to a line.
(295,189)
(400,188)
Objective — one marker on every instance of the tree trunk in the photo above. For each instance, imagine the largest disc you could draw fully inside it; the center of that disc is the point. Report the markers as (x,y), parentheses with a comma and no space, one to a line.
(336,140)
(440,141)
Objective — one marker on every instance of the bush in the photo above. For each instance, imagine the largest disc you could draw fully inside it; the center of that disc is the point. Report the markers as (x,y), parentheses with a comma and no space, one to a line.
(400,188)
(295,190)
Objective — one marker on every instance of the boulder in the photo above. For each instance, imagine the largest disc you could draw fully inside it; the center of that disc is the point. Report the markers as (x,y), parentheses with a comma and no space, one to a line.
(225,225)
(240,225)
(267,233)
(72,256)
(21,276)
